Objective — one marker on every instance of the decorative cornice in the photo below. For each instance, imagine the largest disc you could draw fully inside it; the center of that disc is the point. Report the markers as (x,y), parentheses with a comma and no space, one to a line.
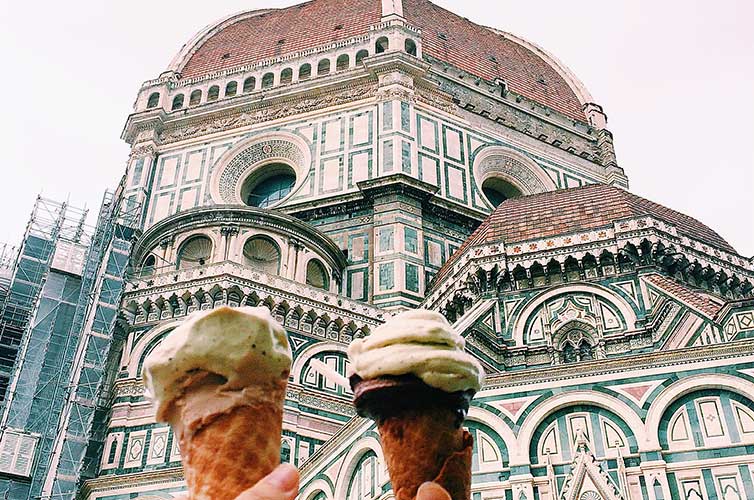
(618,365)
(112,482)
(250,281)
(240,216)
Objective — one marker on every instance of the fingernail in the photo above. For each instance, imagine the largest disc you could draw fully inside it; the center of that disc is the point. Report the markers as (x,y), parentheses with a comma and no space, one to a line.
(432,491)
(284,477)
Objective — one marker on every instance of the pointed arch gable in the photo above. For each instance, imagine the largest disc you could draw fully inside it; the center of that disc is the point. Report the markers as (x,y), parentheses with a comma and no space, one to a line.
(519,326)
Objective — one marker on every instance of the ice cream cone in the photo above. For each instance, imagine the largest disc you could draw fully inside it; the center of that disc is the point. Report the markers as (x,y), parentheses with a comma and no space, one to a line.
(227,452)
(413,377)
(422,446)
(420,433)
(219,380)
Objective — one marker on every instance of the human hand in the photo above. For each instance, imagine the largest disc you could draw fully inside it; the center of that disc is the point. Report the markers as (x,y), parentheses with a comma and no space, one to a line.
(282,484)
(432,491)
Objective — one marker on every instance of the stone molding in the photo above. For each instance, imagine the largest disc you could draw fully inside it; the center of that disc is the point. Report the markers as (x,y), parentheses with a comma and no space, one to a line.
(611,238)
(242,216)
(246,157)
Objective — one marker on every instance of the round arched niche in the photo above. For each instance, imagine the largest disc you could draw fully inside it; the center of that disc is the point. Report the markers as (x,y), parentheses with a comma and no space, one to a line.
(501,173)
(267,158)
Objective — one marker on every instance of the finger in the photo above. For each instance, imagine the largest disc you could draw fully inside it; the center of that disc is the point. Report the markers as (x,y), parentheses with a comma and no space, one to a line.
(280,484)
(432,491)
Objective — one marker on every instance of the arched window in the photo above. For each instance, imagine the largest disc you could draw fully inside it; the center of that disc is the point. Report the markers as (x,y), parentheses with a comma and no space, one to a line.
(589,263)
(586,351)
(231,89)
(249,84)
(214,93)
(147,267)
(196,97)
(267,80)
(305,71)
(576,347)
(607,263)
(313,375)
(497,190)
(285,452)
(342,62)
(263,254)
(269,185)
(323,68)
(569,353)
(537,273)
(154,100)
(520,277)
(360,55)
(381,45)
(286,76)
(572,269)
(196,251)
(554,273)
(364,484)
(316,275)
(410,47)
(177,102)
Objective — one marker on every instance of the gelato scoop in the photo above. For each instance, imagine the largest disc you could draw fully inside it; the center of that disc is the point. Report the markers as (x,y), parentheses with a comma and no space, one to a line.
(420,343)
(219,379)
(245,346)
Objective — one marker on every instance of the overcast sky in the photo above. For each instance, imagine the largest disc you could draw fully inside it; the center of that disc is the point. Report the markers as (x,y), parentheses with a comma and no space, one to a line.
(676,79)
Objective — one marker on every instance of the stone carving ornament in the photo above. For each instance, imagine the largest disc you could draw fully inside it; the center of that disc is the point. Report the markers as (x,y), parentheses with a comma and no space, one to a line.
(248,156)
(525,174)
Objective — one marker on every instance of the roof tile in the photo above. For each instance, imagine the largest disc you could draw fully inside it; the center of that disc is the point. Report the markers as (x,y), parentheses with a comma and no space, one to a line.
(575,210)
(445,36)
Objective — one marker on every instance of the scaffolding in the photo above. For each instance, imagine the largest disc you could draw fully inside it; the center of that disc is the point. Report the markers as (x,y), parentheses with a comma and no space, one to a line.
(61,322)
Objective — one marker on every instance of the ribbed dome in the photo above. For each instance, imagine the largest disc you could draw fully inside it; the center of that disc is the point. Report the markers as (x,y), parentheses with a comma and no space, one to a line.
(257,36)
(574,210)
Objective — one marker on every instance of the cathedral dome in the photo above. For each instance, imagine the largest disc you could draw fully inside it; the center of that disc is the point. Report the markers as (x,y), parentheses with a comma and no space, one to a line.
(577,211)
(267,36)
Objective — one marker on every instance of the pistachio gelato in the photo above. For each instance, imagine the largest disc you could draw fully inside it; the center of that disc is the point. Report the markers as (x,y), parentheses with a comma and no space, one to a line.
(420,343)
(244,348)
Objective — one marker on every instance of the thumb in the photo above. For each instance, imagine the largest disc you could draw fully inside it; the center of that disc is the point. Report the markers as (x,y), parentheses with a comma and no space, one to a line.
(280,484)
(432,491)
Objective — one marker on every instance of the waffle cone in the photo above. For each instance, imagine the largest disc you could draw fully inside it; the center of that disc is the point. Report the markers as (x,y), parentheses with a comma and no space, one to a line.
(228,443)
(232,453)
(426,445)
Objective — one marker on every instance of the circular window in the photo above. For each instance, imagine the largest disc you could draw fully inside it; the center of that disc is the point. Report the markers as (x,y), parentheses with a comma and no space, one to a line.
(195,252)
(316,275)
(270,185)
(498,190)
(263,254)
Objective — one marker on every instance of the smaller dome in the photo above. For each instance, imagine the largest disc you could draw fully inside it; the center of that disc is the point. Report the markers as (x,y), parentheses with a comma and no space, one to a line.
(573,210)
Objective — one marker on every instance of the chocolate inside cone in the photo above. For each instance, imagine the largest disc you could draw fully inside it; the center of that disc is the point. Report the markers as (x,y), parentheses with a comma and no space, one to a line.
(420,432)
(388,396)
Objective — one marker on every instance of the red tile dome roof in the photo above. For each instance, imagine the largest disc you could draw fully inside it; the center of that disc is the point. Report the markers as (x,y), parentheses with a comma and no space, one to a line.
(257,36)
(574,210)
